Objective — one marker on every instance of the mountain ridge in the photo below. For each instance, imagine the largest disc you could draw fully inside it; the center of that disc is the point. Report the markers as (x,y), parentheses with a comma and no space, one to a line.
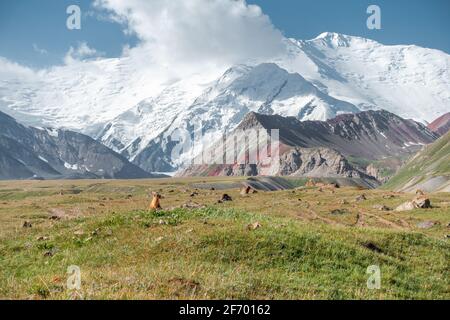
(37,153)
(428,170)
(343,147)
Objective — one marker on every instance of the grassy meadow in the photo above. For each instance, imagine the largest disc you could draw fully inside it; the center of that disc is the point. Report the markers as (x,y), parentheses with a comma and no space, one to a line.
(307,243)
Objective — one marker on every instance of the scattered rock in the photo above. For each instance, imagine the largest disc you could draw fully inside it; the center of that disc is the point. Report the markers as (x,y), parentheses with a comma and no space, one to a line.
(447,236)
(381,207)
(129,196)
(42,238)
(193,205)
(360,198)
(338,212)
(225,197)
(334,185)
(247,190)
(213,189)
(56,214)
(388,196)
(422,202)
(416,203)
(193,194)
(426,224)
(254,226)
(48,254)
(343,201)
(95,232)
(407,206)
(159,239)
(27,224)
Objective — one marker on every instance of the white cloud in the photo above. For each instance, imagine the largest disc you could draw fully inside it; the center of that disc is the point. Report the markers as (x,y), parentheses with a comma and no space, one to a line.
(39,50)
(198,31)
(9,69)
(178,38)
(80,53)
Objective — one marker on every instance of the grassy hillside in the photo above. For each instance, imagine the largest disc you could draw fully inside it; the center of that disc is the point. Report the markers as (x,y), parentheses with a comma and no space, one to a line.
(432,161)
(311,243)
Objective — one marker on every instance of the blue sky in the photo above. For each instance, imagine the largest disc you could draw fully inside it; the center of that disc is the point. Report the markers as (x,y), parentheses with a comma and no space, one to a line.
(33,32)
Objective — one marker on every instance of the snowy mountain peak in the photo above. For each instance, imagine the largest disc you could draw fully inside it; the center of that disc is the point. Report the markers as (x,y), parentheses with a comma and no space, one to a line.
(332,39)
(336,40)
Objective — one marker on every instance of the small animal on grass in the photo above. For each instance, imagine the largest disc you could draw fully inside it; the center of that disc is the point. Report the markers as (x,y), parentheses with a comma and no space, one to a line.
(155,205)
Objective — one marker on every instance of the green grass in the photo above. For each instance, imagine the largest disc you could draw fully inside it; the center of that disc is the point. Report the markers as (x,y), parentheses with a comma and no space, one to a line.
(211,254)
(301,250)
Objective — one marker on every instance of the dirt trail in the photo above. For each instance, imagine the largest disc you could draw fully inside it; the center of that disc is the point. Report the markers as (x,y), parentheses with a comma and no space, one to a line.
(312,215)
(384,221)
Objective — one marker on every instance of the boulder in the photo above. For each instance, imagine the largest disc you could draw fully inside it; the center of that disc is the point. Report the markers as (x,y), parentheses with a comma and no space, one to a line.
(422,202)
(407,206)
(247,190)
(426,225)
(416,203)
(225,197)
(27,224)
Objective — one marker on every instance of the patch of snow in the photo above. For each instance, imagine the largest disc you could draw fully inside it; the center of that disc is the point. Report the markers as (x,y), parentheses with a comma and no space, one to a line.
(71,166)
(43,159)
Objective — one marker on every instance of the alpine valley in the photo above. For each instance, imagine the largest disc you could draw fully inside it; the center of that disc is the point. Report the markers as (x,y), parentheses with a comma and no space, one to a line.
(347,107)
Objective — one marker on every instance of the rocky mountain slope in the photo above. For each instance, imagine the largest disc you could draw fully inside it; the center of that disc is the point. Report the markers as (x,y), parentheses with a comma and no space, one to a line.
(332,148)
(295,162)
(371,134)
(28,152)
(441,125)
(428,170)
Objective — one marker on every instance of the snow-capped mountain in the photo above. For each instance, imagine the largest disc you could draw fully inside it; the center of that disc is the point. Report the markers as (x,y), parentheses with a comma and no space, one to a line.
(265,88)
(411,81)
(28,152)
(81,96)
(139,125)
(133,110)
